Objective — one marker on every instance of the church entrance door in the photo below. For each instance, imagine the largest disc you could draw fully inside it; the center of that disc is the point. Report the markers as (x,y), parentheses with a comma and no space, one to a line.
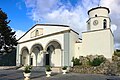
(31,61)
(47,59)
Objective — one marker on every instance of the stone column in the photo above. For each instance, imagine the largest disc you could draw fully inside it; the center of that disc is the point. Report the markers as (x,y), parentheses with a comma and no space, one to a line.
(62,57)
(18,57)
(44,60)
(36,58)
(29,57)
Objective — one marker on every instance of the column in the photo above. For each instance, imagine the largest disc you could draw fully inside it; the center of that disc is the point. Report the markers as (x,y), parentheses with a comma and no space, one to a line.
(62,57)
(29,57)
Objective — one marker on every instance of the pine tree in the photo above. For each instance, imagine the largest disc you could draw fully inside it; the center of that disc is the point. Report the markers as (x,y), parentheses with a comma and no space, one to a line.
(7,36)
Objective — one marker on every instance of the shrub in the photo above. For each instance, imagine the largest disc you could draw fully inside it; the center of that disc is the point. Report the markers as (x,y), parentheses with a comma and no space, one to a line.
(48,68)
(117,53)
(64,68)
(27,69)
(76,61)
(72,59)
(97,61)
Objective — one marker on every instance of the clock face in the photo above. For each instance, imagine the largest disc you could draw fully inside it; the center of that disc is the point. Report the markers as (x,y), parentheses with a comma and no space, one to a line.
(95,22)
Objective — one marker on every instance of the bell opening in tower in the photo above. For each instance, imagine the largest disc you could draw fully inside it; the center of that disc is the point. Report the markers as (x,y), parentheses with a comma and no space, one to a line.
(104,24)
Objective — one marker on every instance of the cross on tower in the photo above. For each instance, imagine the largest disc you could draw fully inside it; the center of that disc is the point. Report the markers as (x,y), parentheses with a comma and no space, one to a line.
(99,3)
(37,21)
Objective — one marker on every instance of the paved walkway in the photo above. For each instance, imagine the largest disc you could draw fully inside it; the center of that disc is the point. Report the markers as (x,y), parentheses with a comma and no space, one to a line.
(40,75)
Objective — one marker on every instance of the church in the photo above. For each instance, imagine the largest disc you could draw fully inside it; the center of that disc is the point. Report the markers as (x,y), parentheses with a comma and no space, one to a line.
(56,45)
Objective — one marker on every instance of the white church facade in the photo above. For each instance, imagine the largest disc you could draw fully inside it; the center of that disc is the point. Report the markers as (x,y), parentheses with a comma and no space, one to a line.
(56,45)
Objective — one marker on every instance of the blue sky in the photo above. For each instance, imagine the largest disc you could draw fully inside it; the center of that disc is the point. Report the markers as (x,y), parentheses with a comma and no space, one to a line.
(26,13)
(17,13)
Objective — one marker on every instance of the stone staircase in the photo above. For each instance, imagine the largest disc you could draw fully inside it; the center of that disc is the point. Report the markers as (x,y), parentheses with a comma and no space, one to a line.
(38,68)
(34,68)
(42,69)
(8,67)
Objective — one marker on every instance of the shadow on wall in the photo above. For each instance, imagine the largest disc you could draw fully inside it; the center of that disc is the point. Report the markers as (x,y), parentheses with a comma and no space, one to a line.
(41,61)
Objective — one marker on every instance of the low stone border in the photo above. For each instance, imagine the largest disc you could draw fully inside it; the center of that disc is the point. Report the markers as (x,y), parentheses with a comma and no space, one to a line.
(7,67)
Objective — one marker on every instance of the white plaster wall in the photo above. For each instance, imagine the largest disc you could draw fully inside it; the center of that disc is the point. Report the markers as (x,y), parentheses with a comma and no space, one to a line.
(73,38)
(101,15)
(99,12)
(56,58)
(112,43)
(26,60)
(97,42)
(46,30)
(78,49)
(43,41)
(100,23)
(40,58)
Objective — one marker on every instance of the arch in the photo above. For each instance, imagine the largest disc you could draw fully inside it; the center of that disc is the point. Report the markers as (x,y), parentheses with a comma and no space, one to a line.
(50,50)
(24,56)
(35,50)
(23,49)
(36,45)
(54,40)
(53,53)
(104,24)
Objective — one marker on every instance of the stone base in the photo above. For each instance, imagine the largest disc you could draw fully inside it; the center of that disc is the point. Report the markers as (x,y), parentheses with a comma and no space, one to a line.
(8,67)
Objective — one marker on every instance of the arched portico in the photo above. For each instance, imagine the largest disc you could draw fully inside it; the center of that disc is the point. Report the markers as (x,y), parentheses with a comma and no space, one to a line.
(35,55)
(24,56)
(53,54)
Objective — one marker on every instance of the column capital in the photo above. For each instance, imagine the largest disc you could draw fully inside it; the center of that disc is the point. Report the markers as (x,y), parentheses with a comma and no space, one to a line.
(44,51)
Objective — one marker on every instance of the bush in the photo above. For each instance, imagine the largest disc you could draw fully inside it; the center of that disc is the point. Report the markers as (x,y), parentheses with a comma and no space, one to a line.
(76,61)
(97,61)
(27,69)
(64,68)
(48,68)
(117,53)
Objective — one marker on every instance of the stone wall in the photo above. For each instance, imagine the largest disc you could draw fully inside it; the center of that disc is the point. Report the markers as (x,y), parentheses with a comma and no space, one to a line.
(107,67)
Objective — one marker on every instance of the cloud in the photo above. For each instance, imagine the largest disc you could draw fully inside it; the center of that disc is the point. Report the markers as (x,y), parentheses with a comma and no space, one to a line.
(73,18)
(114,5)
(113,27)
(57,11)
(19,5)
(39,8)
(54,11)
(19,33)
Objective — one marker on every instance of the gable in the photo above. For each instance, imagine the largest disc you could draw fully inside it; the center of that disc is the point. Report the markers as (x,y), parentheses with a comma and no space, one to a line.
(36,32)
(41,30)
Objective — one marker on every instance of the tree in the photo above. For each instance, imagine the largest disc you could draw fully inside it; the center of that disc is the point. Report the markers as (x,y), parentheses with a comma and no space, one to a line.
(7,36)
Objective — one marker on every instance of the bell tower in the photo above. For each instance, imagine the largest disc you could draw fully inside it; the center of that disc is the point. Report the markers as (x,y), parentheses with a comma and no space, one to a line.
(98,39)
(98,18)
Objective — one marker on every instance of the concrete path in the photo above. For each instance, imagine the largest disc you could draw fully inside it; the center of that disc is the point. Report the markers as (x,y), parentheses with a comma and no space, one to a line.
(40,75)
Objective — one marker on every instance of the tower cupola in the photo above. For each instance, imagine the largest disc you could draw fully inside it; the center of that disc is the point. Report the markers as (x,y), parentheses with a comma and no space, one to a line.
(98,18)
